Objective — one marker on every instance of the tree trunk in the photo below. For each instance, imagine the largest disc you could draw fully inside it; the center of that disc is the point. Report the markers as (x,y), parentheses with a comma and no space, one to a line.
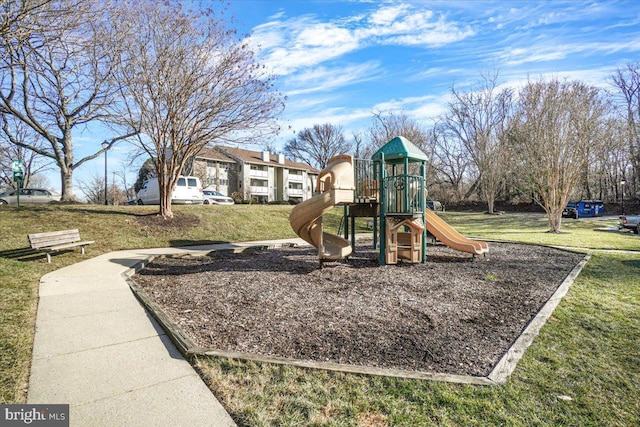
(165,198)
(491,201)
(555,220)
(165,207)
(66,179)
(473,188)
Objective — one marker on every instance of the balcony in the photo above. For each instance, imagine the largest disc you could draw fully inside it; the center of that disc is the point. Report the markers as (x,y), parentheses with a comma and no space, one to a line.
(295,178)
(296,192)
(259,190)
(255,173)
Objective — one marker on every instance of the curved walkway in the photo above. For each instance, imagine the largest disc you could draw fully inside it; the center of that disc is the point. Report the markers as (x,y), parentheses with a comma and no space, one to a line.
(98,350)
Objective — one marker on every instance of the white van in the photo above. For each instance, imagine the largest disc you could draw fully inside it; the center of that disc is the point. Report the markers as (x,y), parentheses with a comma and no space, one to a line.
(187,191)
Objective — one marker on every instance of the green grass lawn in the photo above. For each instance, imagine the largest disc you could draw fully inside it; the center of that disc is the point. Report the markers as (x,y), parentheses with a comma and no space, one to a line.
(588,351)
(112,228)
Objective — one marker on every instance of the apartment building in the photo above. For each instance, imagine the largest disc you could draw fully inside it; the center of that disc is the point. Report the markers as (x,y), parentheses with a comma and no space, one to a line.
(257,175)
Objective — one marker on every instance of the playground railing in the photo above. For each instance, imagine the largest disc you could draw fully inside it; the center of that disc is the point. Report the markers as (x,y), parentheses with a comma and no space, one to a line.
(365,181)
(402,194)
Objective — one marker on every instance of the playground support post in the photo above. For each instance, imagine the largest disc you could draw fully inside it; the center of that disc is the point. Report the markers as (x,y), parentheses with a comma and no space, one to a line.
(383,210)
(406,185)
(622,183)
(423,206)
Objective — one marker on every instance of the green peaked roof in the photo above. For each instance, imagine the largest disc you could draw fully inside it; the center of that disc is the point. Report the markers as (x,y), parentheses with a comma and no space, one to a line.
(398,149)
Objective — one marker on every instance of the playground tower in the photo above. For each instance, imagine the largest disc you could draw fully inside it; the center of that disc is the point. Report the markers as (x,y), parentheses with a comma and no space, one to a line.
(400,169)
(390,188)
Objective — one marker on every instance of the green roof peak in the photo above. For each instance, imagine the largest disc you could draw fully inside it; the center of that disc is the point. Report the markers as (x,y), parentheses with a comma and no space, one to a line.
(398,149)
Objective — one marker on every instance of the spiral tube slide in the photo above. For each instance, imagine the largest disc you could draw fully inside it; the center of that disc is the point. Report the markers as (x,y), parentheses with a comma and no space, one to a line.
(335,184)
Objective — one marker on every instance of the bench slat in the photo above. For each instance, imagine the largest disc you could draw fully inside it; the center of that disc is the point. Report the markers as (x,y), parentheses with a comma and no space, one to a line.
(52,242)
(54,233)
(41,240)
(57,240)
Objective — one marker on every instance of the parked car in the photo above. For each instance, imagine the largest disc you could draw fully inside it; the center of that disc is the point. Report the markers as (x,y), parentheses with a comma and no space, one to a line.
(570,211)
(187,191)
(631,222)
(583,208)
(435,205)
(29,196)
(211,197)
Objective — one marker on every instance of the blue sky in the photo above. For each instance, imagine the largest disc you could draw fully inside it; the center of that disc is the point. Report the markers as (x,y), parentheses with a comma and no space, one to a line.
(339,61)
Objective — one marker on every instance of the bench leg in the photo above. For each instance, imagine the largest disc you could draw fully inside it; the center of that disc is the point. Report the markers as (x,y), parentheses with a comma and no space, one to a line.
(82,249)
(48,257)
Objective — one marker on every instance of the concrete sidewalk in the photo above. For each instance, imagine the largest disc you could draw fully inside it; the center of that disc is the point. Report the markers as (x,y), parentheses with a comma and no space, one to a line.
(98,350)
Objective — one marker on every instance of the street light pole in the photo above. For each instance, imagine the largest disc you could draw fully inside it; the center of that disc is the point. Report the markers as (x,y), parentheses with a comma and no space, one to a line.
(622,183)
(105,145)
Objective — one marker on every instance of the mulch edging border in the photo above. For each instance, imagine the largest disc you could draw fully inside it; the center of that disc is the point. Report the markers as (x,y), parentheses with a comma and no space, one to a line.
(498,375)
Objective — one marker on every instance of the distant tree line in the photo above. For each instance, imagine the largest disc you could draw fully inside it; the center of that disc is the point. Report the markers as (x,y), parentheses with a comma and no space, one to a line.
(548,142)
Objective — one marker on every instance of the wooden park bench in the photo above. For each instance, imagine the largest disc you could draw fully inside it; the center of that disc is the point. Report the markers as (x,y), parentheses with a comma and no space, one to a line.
(56,241)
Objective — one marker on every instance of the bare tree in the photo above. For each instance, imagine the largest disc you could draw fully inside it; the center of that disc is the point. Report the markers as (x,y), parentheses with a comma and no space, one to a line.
(187,81)
(93,189)
(387,126)
(628,83)
(479,119)
(58,79)
(122,174)
(451,160)
(16,19)
(316,145)
(33,163)
(606,165)
(358,145)
(558,123)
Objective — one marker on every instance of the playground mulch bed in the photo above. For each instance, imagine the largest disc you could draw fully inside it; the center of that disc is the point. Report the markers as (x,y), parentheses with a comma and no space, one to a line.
(450,315)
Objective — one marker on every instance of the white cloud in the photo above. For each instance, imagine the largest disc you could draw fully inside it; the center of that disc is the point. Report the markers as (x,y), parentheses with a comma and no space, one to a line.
(421,108)
(387,15)
(410,27)
(287,46)
(349,119)
(599,77)
(322,79)
(436,34)
(553,51)
(291,44)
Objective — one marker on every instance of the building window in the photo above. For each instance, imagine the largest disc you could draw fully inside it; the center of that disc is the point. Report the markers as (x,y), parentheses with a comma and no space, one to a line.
(258,183)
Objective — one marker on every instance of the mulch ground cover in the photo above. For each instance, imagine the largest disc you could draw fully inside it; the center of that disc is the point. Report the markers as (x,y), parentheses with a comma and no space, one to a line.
(450,315)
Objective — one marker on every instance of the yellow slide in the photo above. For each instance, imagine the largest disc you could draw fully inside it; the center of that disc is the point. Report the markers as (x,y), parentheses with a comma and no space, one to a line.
(450,237)
(335,185)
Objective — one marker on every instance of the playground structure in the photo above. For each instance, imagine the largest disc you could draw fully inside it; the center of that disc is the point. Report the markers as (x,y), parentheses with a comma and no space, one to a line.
(390,188)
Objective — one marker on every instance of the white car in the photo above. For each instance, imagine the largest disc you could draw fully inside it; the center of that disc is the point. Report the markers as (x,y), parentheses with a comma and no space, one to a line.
(28,196)
(211,197)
